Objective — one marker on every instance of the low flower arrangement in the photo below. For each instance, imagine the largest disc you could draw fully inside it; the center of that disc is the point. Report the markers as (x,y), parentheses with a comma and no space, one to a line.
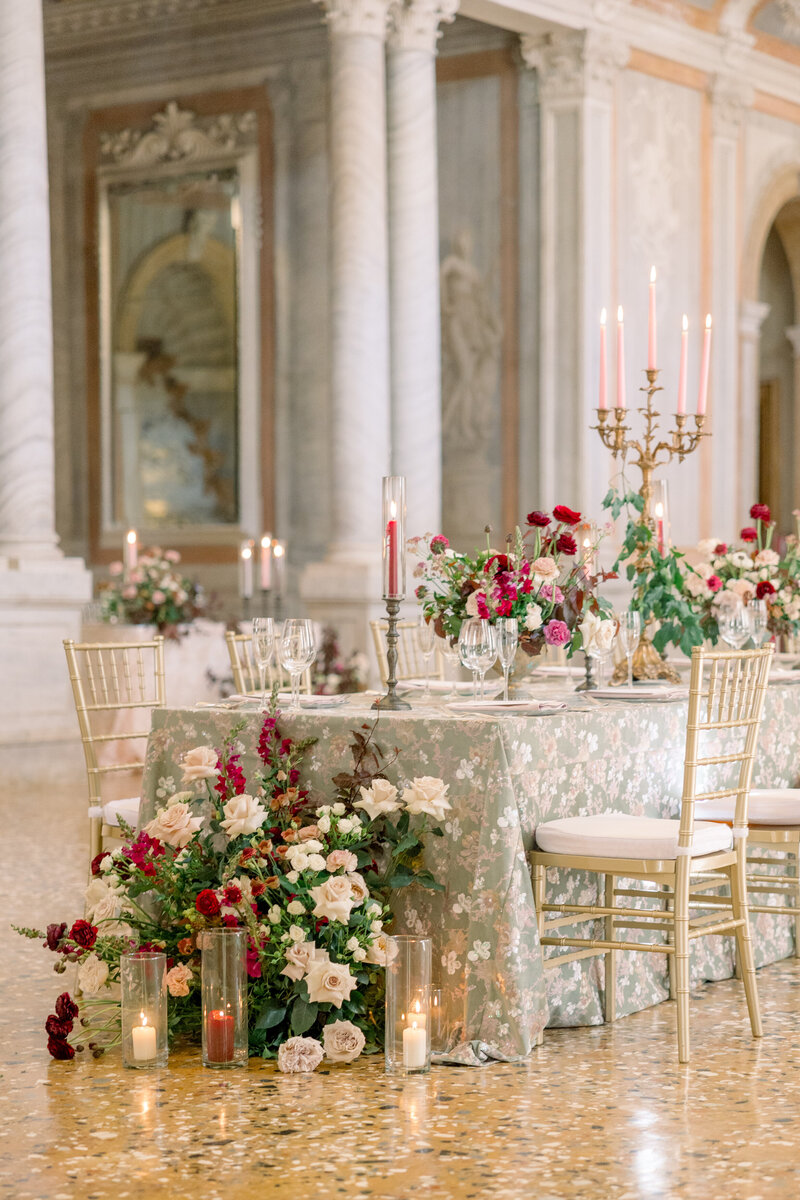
(542,578)
(334,675)
(154,593)
(311,884)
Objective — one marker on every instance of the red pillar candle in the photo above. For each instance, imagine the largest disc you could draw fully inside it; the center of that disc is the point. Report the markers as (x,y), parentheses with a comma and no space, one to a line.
(219,1036)
(391,549)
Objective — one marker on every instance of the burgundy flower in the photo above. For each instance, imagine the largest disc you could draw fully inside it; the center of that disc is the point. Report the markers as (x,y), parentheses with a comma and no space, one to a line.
(66,1008)
(207,903)
(714,583)
(55,935)
(760,512)
(764,588)
(538,520)
(98,858)
(232,894)
(230,921)
(749,534)
(60,1049)
(566,516)
(58,1029)
(721,548)
(258,888)
(438,546)
(566,544)
(483,608)
(83,934)
(500,561)
(420,591)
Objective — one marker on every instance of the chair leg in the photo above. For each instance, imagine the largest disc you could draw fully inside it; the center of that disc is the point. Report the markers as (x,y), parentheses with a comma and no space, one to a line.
(796,857)
(669,907)
(539,879)
(610,998)
(744,946)
(681,956)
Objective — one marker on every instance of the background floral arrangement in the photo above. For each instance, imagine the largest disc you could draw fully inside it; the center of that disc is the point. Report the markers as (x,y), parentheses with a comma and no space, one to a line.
(542,579)
(311,885)
(334,675)
(154,593)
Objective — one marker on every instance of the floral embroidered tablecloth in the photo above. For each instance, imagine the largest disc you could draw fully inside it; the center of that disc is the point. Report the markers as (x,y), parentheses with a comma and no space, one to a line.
(506,775)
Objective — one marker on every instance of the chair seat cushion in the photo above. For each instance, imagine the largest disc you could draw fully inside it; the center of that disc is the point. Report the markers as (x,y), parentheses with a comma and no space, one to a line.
(767,806)
(620,836)
(114,809)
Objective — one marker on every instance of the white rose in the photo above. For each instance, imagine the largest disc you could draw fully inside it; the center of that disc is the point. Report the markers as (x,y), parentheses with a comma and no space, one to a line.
(297,856)
(767,558)
(200,763)
(296,934)
(295,907)
(373,907)
(359,888)
(378,799)
(175,826)
(360,954)
(343,1041)
(92,974)
(589,626)
(696,586)
(376,927)
(377,951)
(338,809)
(312,846)
(333,899)
(178,980)
(274,914)
(316,862)
(533,617)
(243,814)
(347,825)
(324,824)
(299,1055)
(299,957)
(104,905)
(742,588)
(293,876)
(352,944)
(704,570)
(427,795)
(329,983)
(180,798)
(323,810)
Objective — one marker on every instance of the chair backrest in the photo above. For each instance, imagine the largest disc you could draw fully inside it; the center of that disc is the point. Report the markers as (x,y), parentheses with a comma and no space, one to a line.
(726,700)
(246,675)
(410,660)
(115,685)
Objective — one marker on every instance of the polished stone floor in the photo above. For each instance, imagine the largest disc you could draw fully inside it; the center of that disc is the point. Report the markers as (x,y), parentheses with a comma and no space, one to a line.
(603,1112)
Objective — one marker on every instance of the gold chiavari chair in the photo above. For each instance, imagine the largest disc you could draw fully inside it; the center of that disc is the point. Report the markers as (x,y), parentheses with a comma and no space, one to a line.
(726,702)
(114,684)
(410,660)
(246,675)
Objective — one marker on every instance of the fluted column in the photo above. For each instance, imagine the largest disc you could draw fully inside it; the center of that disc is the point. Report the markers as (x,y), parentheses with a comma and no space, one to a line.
(359,287)
(27,519)
(752,316)
(416,402)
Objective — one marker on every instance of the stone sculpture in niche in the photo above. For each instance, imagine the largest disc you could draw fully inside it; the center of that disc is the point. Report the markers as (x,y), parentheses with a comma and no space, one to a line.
(472,334)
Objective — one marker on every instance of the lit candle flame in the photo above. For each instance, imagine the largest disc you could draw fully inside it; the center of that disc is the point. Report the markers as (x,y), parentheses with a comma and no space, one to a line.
(247,552)
(130,536)
(708,320)
(417,1007)
(619,314)
(603,316)
(685,323)
(278,551)
(659,510)
(652,274)
(266,541)
(392,509)
(144,1018)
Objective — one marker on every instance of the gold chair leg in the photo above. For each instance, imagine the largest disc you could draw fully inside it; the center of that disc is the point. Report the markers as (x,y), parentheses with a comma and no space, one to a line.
(95,846)
(539,880)
(681,956)
(744,946)
(796,857)
(610,997)
(669,907)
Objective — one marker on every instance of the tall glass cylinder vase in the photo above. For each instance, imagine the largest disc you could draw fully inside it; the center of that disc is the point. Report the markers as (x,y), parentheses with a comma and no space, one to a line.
(394,537)
(224,986)
(143,988)
(408,1005)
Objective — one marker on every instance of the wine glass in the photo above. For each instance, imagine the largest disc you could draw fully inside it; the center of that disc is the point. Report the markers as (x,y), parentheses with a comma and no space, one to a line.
(758,617)
(630,630)
(465,654)
(601,655)
(734,626)
(479,649)
(427,646)
(507,643)
(297,651)
(263,644)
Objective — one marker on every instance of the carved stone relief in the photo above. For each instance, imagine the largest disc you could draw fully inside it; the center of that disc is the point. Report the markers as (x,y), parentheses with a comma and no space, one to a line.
(178,135)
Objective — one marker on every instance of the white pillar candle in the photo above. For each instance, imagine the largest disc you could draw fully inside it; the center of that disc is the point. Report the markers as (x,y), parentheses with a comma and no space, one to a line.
(144,1041)
(415,1045)
(131,551)
(279,554)
(266,562)
(684,365)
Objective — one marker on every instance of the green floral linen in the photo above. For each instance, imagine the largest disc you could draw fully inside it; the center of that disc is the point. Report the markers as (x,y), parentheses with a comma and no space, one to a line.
(506,775)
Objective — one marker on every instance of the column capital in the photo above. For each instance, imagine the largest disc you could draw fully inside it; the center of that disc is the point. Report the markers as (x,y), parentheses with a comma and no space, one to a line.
(414,24)
(793,334)
(752,315)
(366,17)
(731,96)
(575,63)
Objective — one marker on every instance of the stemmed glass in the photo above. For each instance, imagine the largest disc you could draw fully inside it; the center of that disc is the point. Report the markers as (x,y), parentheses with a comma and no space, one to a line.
(734,626)
(601,656)
(630,630)
(427,646)
(507,642)
(297,651)
(478,650)
(263,645)
(758,618)
(451,655)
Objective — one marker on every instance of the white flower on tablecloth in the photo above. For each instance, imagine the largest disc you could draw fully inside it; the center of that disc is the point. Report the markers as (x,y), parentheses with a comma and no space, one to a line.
(178,980)
(533,617)
(175,825)
(92,975)
(451,962)
(329,983)
(427,795)
(480,952)
(378,799)
(343,1041)
(358,888)
(299,957)
(243,814)
(767,558)
(200,763)
(334,898)
(299,1055)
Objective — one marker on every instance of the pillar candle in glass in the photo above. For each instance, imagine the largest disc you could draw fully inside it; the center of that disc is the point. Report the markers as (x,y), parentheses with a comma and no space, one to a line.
(265,563)
(131,551)
(143,994)
(408,1004)
(279,565)
(394,537)
(246,570)
(224,987)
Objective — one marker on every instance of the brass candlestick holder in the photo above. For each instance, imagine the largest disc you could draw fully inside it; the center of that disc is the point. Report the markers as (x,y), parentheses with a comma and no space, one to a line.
(391,701)
(649,453)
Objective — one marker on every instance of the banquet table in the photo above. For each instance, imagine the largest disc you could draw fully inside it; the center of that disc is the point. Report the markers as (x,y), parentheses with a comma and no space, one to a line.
(506,774)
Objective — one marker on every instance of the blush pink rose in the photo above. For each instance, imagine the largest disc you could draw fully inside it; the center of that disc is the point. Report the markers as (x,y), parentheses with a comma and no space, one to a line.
(341,858)
(556,633)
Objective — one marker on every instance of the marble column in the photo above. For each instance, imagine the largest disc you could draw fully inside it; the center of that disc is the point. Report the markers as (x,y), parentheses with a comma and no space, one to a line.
(416,402)
(576,70)
(752,315)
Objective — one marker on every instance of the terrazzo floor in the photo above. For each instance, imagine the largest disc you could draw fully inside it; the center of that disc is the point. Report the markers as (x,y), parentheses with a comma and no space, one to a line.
(603,1112)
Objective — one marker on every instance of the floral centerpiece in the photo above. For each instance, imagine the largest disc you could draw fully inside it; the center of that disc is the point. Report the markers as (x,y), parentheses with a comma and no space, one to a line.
(309,883)
(334,675)
(542,579)
(153,593)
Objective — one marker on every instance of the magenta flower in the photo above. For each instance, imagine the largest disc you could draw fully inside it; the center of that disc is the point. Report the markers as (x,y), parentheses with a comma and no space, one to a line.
(439,544)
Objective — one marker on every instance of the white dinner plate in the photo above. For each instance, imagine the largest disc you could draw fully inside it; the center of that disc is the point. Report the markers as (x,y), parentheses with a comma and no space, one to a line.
(545,670)
(515,707)
(438,686)
(641,692)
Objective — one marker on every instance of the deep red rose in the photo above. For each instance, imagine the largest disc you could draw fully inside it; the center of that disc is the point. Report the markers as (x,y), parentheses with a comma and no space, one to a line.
(760,512)
(58,1029)
(98,858)
(83,934)
(207,903)
(66,1008)
(566,516)
(714,583)
(498,562)
(230,921)
(566,544)
(539,520)
(232,894)
(764,588)
(749,534)
(55,935)
(721,548)
(60,1049)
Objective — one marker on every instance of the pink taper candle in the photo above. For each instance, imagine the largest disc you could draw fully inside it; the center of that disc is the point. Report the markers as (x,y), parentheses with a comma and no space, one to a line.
(602,402)
(620,360)
(684,364)
(705,362)
(651,325)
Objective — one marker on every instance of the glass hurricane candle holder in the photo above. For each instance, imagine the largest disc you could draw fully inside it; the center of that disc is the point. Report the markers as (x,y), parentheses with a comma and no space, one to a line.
(394,537)
(408,1005)
(224,987)
(143,986)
